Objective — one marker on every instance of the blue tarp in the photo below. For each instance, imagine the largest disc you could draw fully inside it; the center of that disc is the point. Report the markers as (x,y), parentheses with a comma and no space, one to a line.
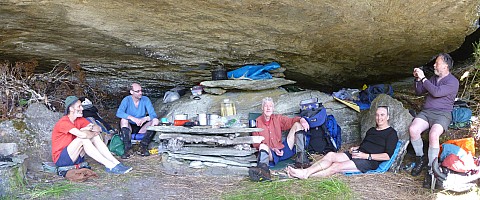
(253,72)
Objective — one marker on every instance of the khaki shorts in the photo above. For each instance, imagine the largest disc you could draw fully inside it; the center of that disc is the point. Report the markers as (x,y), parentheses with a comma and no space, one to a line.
(436,117)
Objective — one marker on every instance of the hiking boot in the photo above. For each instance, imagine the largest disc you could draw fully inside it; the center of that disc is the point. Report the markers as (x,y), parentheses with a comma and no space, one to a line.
(420,163)
(144,151)
(260,173)
(302,161)
(118,169)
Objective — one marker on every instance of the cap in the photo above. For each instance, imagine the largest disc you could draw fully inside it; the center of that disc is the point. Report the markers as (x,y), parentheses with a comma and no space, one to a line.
(68,102)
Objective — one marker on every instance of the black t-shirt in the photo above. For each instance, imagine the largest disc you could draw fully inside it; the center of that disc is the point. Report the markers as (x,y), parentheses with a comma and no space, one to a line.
(379,141)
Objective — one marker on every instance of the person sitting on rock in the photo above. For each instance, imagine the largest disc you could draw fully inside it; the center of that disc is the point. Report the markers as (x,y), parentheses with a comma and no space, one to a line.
(441,90)
(134,119)
(272,149)
(73,136)
(377,146)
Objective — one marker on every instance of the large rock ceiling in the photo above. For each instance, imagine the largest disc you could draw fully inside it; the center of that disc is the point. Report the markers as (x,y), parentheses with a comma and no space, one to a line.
(165,43)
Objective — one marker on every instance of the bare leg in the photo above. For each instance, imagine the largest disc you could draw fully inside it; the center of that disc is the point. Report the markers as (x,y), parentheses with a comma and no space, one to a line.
(323,164)
(77,145)
(103,149)
(291,134)
(346,166)
(434,135)
(125,124)
(144,127)
(416,128)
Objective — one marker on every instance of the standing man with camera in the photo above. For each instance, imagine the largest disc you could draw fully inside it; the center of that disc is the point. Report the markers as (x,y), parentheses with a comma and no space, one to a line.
(441,90)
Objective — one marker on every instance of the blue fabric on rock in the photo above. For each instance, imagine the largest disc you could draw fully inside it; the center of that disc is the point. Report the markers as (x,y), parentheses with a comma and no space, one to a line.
(253,72)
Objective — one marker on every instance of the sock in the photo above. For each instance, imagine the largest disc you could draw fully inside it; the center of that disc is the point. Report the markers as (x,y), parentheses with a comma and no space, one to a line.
(418,147)
(300,140)
(432,154)
(263,157)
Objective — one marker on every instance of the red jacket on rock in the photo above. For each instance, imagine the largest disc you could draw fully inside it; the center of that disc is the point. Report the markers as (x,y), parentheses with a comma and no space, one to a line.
(273,131)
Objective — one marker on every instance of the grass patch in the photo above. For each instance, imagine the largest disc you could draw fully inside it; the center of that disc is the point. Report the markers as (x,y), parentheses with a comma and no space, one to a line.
(330,188)
(18,180)
(56,190)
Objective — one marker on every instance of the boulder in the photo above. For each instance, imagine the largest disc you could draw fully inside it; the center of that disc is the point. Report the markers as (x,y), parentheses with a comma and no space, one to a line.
(7,149)
(248,84)
(32,134)
(400,120)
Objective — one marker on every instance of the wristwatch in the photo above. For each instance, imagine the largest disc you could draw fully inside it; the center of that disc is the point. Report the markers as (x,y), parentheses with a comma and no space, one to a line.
(369,156)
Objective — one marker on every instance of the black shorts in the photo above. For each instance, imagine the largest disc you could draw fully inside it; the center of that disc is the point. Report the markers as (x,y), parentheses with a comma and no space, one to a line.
(136,128)
(362,164)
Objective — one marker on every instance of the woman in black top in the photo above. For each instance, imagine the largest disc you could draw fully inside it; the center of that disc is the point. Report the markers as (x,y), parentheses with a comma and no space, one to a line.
(377,146)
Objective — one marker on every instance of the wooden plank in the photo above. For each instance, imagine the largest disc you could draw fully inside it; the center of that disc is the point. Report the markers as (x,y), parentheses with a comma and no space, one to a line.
(217,151)
(211,139)
(204,131)
(212,159)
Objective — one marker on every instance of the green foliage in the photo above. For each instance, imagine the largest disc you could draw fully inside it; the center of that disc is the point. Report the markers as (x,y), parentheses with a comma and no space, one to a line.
(22,102)
(329,188)
(56,190)
(476,54)
(18,179)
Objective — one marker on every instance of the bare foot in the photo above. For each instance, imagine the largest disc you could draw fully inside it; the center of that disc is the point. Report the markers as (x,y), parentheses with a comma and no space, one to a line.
(297,173)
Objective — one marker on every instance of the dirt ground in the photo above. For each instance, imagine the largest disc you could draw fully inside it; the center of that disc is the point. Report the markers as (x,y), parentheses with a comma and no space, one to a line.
(149,180)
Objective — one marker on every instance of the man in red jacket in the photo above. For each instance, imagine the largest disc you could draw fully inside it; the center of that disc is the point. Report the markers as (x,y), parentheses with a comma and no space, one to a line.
(272,149)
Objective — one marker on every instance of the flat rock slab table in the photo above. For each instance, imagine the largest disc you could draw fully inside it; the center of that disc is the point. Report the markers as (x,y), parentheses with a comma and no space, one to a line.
(227,146)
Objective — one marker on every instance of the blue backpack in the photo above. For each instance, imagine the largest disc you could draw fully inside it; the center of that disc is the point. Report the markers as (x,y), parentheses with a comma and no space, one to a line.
(369,94)
(460,117)
(333,132)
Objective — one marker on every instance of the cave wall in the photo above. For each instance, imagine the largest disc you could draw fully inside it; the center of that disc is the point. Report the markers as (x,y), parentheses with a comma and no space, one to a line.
(329,43)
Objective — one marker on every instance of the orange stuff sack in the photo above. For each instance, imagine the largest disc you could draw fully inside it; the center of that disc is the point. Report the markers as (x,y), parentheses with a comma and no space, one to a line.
(467,144)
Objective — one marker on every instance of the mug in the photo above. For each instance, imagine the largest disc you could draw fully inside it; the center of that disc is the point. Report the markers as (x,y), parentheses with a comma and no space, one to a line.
(252,123)
(202,119)
(164,120)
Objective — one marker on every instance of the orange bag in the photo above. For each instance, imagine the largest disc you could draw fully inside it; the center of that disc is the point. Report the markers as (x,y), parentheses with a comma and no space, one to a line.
(467,144)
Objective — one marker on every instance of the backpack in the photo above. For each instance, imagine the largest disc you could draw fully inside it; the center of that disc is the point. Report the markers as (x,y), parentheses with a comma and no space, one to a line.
(334,132)
(325,138)
(315,116)
(455,169)
(116,145)
(313,111)
(372,91)
(460,117)
(317,142)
